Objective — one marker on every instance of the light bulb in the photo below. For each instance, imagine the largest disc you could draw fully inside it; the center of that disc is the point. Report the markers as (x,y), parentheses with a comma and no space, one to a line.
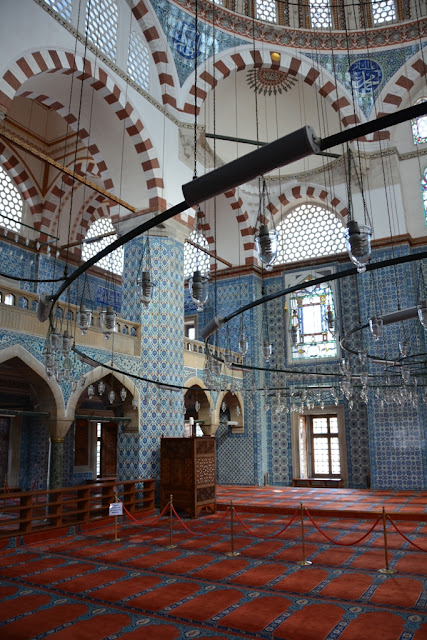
(267,350)
(123,394)
(101,387)
(111,396)
(91,391)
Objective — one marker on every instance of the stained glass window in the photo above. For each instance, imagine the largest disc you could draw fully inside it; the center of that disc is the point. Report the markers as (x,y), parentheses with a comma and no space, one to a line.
(309,308)
(114,261)
(424,193)
(101,25)
(419,125)
(10,203)
(193,257)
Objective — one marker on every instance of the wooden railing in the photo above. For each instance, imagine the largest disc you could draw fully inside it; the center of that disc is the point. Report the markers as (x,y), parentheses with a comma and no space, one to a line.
(33,511)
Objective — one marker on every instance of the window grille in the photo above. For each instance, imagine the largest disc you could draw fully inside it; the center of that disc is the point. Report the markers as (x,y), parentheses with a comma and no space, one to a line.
(63,7)
(138,61)
(114,261)
(193,257)
(320,14)
(10,204)
(101,25)
(266,10)
(383,11)
(309,231)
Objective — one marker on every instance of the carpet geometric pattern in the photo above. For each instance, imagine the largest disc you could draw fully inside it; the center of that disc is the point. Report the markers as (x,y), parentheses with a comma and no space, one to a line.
(89,586)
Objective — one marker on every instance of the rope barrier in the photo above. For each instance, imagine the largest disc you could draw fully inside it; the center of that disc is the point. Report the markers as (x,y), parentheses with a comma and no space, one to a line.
(266,537)
(146,523)
(344,544)
(7,490)
(205,533)
(406,538)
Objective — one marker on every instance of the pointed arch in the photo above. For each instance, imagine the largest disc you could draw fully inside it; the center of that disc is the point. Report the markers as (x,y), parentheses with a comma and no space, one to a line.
(65,62)
(18,351)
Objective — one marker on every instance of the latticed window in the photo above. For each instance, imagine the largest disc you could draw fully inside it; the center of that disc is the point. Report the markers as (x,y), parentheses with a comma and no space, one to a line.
(63,7)
(320,14)
(325,446)
(383,11)
(114,261)
(10,203)
(101,25)
(194,259)
(309,231)
(309,308)
(138,61)
(266,10)
(419,125)
(424,192)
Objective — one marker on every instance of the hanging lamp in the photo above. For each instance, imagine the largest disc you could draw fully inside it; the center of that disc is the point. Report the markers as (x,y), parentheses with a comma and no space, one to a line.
(199,282)
(357,236)
(266,241)
(144,282)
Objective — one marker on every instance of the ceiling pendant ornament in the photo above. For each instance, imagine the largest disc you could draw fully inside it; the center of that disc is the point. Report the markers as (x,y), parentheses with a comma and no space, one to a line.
(270,81)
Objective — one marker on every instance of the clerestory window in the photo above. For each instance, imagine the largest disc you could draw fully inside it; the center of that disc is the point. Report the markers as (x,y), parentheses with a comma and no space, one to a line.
(419,125)
(11,205)
(101,24)
(114,261)
(194,259)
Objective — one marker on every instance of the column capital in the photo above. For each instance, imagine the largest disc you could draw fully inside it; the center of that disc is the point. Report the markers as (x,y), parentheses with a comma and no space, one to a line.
(58,428)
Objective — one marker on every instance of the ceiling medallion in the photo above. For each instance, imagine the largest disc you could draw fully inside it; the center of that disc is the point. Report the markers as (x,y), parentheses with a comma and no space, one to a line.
(270,81)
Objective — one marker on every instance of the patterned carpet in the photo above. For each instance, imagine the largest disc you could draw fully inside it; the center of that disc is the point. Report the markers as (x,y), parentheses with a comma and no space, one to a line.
(89,586)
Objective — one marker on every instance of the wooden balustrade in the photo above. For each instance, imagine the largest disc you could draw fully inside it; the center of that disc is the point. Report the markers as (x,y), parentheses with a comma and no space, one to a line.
(33,511)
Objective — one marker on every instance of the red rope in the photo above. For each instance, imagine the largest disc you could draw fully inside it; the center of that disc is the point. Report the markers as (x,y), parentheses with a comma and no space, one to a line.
(406,538)
(344,544)
(34,483)
(205,533)
(6,486)
(147,524)
(266,537)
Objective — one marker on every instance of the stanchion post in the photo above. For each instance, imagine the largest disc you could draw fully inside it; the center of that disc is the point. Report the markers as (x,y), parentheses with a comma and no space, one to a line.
(303,562)
(386,569)
(232,553)
(170,545)
(116,539)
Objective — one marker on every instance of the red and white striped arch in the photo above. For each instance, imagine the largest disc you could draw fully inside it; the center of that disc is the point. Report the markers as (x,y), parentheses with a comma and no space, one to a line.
(245,59)
(157,44)
(399,88)
(65,62)
(20,177)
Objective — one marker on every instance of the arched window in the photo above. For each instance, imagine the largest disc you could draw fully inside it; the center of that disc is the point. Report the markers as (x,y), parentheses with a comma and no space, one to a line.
(309,231)
(63,7)
(419,125)
(101,25)
(193,257)
(424,192)
(320,14)
(138,61)
(383,11)
(266,10)
(10,204)
(114,261)
(310,333)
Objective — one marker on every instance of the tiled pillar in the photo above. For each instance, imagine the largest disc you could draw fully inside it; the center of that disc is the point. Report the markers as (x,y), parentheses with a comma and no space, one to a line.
(56,457)
(162,350)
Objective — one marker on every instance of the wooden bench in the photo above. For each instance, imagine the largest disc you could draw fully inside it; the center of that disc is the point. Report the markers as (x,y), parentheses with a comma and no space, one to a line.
(317,482)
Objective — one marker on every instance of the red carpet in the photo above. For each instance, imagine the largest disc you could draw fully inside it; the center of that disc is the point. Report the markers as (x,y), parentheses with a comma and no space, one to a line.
(90,587)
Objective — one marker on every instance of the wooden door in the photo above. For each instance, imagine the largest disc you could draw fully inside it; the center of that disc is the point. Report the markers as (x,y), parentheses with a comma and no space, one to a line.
(4,448)
(108,449)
